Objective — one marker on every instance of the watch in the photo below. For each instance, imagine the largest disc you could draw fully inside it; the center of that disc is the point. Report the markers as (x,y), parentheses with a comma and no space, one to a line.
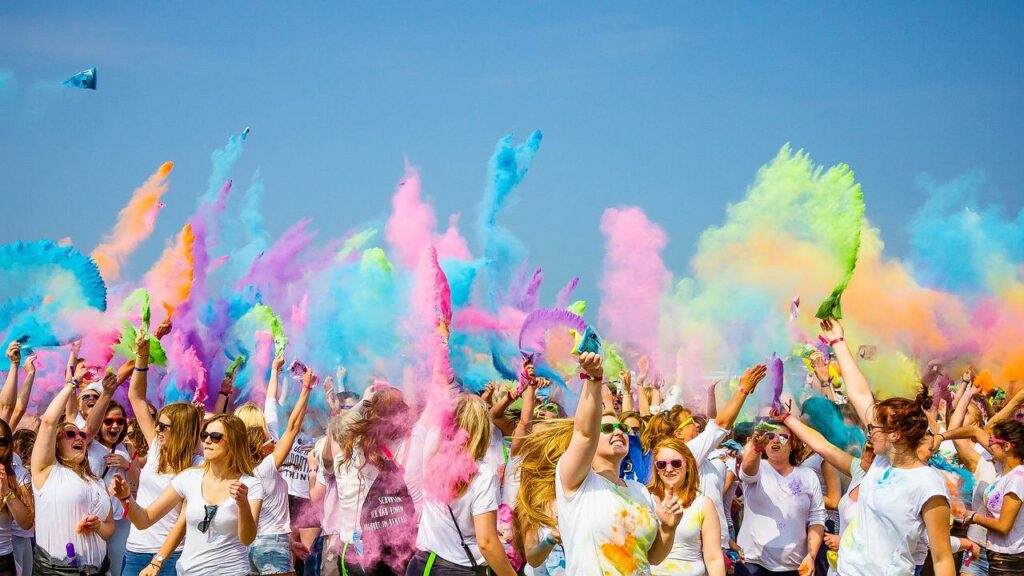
(158,558)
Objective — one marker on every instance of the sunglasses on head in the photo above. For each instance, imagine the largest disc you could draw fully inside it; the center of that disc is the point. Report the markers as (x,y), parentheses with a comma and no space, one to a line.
(161,427)
(673,464)
(72,434)
(214,437)
(611,427)
(211,512)
(114,421)
(782,436)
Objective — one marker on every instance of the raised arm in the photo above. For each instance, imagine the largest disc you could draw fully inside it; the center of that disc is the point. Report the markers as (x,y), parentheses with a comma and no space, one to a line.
(751,463)
(525,423)
(575,463)
(748,381)
(24,393)
(71,407)
(627,390)
(284,445)
(9,393)
(270,403)
(95,419)
(857,389)
(44,450)
(1008,411)
(833,455)
(137,389)
(498,412)
(227,389)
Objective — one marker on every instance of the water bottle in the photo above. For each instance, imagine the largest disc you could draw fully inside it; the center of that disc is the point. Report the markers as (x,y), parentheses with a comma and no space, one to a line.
(357,543)
(72,557)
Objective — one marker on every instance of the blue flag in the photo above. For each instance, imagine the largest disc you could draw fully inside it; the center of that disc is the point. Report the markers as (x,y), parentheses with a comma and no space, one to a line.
(85,79)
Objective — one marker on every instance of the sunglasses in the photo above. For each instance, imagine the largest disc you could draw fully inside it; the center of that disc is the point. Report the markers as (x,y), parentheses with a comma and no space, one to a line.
(211,512)
(782,436)
(5,442)
(72,434)
(214,437)
(992,441)
(673,464)
(685,423)
(161,427)
(634,429)
(114,421)
(90,397)
(548,408)
(610,428)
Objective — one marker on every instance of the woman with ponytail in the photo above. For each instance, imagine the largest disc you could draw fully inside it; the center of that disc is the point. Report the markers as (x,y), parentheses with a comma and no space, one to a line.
(902,501)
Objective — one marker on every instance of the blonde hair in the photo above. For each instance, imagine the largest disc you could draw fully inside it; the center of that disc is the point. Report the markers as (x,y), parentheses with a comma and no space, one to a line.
(468,427)
(540,452)
(252,416)
(657,428)
(236,444)
(688,491)
(82,467)
(178,453)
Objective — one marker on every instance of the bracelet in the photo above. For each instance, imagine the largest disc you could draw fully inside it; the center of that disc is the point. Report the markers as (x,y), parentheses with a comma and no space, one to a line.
(6,499)
(585,376)
(836,341)
(745,391)
(223,393)
(146,369)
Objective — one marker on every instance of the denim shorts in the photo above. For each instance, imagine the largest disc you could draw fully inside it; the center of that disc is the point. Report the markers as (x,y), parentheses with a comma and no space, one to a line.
(136,562)
(271,555)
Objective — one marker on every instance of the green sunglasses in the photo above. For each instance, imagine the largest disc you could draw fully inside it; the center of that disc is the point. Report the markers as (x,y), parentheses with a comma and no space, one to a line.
(610,428)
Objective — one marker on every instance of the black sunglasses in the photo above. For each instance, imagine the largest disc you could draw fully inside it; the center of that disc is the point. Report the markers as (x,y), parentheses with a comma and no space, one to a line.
(610,428)
(211,511)
(72,434)
(88,397)
(161,427)
(213,436)
(113,421)
(673,463)
(5,442)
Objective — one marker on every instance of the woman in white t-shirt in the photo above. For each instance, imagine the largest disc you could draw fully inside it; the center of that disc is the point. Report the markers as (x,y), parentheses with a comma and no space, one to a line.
(108,456)
(458,528)
(16,504)
(68,495)
(271,553)
(173,437)
(900,498)
(783,510)
(696,550)
(999,513)
(608,525)
(222,502)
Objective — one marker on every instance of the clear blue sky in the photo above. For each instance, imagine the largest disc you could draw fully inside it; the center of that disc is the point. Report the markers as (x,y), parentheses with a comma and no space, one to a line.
(671,106)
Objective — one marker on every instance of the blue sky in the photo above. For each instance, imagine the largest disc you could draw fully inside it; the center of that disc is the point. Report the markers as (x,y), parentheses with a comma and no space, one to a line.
(670,106)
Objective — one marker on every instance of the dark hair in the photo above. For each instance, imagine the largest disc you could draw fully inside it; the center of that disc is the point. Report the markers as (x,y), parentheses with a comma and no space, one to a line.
(742,432)
(907,417)
(114,405)
(1013,432)
(797,449)
(8,460)
(22,441)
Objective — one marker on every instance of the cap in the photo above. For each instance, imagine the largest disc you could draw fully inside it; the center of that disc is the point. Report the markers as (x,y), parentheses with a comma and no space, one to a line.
(94,387)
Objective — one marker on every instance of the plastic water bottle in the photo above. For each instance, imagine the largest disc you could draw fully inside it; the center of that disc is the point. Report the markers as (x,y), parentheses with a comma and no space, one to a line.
(72,557)
(357,542)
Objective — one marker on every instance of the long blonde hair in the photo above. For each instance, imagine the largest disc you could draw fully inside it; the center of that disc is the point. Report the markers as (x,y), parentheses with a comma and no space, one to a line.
(183,437)
(540,451)
(688,491)
(465,434)
(236,443)
(252,416)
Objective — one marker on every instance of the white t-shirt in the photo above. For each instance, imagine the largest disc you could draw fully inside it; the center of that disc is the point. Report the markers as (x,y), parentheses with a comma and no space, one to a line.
(353,479)
(274,516)
(61,503)
(510,485)
(687,555)
(984,475)
(97,455)
(776,513)
(438,534)
(712,481)
(295,469)
(712,475)
(7,523)
(330,518)
(847,504)
(151,485)
(606,528)
(218,552)
(1011,482)
(887,526)
(17,530)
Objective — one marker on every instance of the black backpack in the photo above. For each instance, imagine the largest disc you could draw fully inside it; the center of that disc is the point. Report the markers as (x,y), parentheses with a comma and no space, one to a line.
(387,522)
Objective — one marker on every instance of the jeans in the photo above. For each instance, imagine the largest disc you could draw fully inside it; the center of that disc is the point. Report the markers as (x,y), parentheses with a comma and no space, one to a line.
(135,562)
(116,544)
(23,554)
(270,555)
(979,565)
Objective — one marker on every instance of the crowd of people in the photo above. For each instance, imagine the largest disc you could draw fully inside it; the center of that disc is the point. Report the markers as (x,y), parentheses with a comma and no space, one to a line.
(505,482)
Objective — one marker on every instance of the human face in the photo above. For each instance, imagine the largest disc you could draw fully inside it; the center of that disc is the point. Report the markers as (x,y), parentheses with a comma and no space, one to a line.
(665,464)
(71,443)
(687,429)
(5,445)
(214,445)
(634,425)
(86,401)
(879,439)
(999,448)
(547,411)
(612,445)
(779,445)
(113,423)
(163,429)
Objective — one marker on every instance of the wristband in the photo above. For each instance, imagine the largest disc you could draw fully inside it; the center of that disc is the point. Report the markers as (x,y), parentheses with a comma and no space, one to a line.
(146,369)
(223,393)
(585,376)
(836,341)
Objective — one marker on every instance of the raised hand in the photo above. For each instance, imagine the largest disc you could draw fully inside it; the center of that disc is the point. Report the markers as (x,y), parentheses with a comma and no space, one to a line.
(759,440)
(309,380)
(111,380)
(227,385)
(163,329)
(14,353)
(30,365)
(591,364)
(627,380)
(278,364)
(750,377)
(831,329)
(670,509)
(142,348)
(125,371)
